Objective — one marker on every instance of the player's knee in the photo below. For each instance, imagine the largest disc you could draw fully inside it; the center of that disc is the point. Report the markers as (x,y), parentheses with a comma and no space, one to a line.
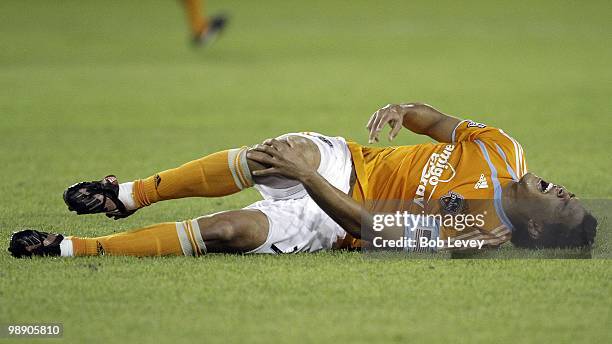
(304,146)
(255,165)
(225,230)
(217,229)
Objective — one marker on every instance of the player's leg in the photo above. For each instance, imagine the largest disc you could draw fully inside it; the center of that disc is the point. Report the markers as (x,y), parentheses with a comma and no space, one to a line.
(296,222)
(218,174)
(195,16)
(237,231)
(203,29)
(305,146)
(215,175)
(234,231)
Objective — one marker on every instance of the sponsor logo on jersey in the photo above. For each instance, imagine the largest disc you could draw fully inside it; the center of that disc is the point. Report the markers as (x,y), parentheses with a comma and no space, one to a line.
(452,203)
(437,170)
(482,182)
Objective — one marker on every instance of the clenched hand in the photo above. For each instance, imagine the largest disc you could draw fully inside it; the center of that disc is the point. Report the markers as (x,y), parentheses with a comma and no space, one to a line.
(282,159)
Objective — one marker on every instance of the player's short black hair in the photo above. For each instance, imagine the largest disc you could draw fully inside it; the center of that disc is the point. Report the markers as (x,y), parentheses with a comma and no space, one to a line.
(559,235)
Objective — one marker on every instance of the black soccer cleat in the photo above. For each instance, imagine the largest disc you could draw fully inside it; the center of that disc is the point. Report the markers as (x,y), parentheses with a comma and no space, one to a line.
(215,27)
(30,242)
(101,196)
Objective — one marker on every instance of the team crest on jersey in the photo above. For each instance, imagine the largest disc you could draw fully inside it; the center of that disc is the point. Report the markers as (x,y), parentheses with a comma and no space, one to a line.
(472,124)
(452,203)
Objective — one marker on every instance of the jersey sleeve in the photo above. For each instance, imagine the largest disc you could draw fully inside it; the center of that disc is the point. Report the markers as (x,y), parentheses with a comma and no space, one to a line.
(501,143)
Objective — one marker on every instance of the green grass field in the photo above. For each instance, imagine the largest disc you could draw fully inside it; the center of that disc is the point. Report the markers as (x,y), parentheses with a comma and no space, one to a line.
(97,87)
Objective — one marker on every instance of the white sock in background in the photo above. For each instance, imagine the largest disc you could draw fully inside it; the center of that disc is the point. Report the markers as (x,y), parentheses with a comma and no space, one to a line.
(66,248)
(125,195)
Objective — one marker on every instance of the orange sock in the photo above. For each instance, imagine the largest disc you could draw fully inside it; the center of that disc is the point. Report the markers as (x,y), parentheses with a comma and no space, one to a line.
(219,174)
(195,16)
(173,238)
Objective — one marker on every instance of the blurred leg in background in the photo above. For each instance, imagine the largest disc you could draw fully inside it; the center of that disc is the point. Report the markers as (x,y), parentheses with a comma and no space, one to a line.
(204,30)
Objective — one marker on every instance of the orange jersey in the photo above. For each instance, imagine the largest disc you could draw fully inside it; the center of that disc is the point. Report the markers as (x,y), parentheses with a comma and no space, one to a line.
(462,177)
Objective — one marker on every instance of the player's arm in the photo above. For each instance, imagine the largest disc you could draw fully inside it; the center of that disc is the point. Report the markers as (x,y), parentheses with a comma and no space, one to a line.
(288,162)
(345,211)
(418,118)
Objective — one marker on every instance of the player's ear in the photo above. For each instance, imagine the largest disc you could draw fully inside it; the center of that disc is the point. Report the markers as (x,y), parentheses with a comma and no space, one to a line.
(534,229)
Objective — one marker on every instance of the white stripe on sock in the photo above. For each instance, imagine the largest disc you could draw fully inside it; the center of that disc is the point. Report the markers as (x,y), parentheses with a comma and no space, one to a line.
(66,248)
(198,236)
(125,195)
(231,157)
(181,230)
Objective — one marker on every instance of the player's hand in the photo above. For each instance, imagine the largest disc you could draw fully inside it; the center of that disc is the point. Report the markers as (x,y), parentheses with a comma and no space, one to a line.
(391,114)
(283,160)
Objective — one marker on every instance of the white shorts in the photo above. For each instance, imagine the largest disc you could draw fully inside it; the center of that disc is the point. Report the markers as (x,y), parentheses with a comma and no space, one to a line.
(297,224)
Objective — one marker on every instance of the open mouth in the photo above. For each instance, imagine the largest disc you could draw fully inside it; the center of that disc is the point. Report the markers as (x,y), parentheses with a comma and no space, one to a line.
(545,186)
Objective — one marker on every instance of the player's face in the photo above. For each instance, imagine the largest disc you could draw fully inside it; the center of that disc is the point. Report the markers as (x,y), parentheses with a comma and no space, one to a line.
(546,202)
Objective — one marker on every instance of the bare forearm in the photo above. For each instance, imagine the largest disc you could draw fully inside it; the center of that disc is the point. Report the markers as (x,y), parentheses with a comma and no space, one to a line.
(419,118)
(425,120)
(347,213)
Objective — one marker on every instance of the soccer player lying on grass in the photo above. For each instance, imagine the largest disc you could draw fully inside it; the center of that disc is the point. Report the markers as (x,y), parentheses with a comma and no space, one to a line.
(322,192)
